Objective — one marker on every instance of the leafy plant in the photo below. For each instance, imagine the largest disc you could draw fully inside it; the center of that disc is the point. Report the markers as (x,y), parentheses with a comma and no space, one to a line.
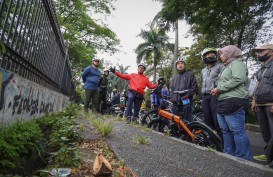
(67,155)
(17,141)
(64,137)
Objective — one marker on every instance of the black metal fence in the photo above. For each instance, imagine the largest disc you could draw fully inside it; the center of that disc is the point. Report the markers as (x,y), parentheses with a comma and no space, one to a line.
(35,45)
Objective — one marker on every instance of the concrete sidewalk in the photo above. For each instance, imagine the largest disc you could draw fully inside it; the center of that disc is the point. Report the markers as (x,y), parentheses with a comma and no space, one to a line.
(170,157)
(253,127)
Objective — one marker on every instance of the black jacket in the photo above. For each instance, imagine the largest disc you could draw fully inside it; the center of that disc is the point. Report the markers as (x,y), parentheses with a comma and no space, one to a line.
(183,81)
(103,82)
(264,92)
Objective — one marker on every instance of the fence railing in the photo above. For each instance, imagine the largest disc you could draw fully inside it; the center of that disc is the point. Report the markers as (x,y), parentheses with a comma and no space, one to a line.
(35,46)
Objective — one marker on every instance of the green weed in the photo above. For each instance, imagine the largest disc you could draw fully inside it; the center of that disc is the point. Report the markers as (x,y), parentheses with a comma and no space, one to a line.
(104,128)
(142,140)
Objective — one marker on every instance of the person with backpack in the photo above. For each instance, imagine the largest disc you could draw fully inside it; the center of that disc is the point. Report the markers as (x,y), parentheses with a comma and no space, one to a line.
(90,77)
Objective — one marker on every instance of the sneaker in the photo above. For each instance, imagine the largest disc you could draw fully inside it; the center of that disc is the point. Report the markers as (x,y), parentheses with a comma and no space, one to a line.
(260,158)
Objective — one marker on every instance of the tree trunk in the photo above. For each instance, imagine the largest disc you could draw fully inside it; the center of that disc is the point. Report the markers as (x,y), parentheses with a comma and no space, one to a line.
(154,72)
(175,47)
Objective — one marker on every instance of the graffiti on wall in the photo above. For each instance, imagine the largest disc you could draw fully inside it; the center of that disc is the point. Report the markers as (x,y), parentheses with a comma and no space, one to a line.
(5,77)
(22,99)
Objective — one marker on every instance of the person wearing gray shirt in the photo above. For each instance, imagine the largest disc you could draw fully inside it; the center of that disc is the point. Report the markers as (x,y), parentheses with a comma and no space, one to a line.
(209,77)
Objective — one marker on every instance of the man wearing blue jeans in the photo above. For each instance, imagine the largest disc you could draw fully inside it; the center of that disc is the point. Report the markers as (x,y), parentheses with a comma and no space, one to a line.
(138,82)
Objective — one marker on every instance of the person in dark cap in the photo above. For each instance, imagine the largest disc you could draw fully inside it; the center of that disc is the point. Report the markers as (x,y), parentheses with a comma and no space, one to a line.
(262,102)
(90,77)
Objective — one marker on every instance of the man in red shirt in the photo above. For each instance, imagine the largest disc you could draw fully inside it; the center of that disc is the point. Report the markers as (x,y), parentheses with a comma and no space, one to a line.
(138,83)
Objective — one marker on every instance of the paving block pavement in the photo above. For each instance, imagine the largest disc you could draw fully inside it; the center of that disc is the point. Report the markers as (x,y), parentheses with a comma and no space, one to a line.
(166,156)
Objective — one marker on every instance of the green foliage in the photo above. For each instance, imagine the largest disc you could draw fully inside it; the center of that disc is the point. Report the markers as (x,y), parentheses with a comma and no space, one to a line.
(166,66)
(104,128)
(79,95)
(67,156)
(70,110)
(64,132)
(116,82)
(63,138)
(220,23)
(194,62)
(84,34)
(151,50)
(17,141)
(20,140)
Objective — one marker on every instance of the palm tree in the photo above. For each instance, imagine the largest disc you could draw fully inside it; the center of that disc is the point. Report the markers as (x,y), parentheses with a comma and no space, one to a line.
(150,51)
(115,82)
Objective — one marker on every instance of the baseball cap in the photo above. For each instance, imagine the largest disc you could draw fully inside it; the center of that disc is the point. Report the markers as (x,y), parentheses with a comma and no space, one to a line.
(264,47)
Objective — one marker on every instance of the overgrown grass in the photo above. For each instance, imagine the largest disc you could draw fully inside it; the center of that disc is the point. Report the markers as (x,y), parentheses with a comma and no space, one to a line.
(142,140)
(103,127)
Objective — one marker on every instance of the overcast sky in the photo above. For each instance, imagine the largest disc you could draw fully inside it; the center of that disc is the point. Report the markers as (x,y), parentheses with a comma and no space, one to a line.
(127,21)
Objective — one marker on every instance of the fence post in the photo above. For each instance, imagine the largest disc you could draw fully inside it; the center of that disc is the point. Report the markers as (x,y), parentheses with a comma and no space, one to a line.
(65,58)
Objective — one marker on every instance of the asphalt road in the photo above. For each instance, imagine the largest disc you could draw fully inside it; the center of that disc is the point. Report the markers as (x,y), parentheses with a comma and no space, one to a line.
(166,156)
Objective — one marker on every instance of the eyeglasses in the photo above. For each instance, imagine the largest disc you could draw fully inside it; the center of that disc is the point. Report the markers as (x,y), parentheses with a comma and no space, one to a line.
(96,61)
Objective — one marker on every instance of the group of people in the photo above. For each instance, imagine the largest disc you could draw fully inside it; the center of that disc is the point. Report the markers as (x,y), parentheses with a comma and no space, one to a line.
(95,86)
(224,94)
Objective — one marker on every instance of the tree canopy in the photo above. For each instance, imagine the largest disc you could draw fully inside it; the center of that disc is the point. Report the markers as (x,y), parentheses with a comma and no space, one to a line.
(150,51)
(84,34)
(213,23)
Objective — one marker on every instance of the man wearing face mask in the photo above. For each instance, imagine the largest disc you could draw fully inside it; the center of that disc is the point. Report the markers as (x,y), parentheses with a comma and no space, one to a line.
(263,96)
(209,77)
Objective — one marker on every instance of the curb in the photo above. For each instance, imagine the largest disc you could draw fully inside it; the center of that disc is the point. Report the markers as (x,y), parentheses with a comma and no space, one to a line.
(252,127)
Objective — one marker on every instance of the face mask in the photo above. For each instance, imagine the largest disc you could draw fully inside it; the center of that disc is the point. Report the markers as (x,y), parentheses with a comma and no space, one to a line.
(264,58)
(210,60)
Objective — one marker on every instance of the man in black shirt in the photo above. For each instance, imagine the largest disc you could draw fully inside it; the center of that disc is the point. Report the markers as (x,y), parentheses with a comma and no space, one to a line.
(103,82)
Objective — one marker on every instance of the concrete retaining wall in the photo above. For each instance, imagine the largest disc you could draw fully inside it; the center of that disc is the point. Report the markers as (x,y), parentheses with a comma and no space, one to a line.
(21,99)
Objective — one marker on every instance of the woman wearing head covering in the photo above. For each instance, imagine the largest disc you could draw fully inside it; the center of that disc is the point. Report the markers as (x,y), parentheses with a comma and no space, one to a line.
(233,103)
